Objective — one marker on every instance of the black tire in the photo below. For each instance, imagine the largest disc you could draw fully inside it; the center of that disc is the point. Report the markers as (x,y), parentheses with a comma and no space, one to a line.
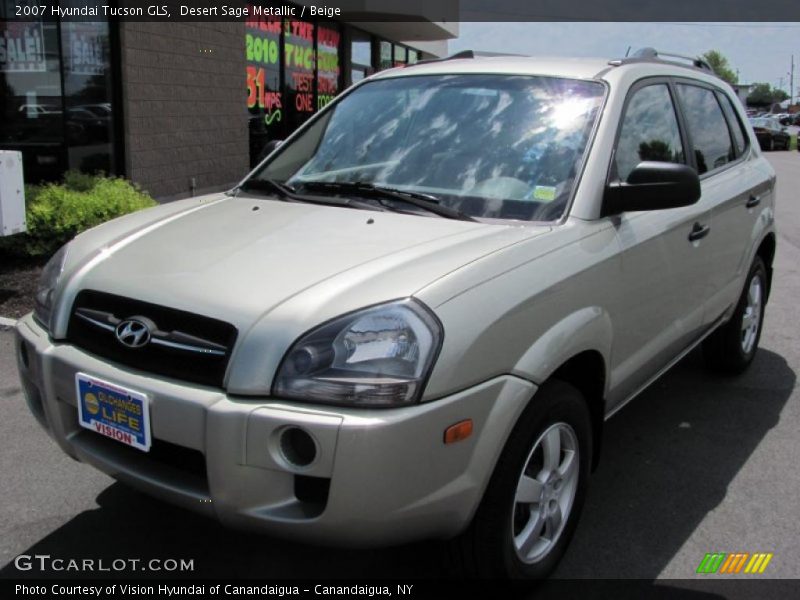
(486,549)
(724,349)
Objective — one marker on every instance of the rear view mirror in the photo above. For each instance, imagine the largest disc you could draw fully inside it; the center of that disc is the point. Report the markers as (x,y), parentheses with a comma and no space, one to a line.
(652,186)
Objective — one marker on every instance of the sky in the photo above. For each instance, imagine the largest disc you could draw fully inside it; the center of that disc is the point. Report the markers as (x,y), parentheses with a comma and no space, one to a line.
(760,51)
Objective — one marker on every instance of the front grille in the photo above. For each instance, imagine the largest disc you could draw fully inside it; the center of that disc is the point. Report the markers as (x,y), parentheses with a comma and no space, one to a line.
(179,344)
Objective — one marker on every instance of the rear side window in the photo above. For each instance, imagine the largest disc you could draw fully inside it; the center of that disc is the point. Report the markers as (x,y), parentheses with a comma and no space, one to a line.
(739,135)
(649,130)
(708,129)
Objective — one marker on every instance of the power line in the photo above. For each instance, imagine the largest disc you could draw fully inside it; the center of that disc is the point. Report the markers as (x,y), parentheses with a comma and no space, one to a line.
(734,25)
(494,15)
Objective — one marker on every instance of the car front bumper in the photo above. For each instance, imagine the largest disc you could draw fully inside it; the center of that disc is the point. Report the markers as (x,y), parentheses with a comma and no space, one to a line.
(379,476)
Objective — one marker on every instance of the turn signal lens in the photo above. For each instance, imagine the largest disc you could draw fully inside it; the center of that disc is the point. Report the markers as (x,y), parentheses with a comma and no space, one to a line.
(460,431)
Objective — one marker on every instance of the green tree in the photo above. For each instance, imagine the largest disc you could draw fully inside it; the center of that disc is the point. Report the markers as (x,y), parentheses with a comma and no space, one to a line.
(657,150)
(721,66)
(779,95)
(763,94)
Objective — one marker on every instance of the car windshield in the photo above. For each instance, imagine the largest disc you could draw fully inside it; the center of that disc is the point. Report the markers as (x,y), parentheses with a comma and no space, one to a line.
(487,146)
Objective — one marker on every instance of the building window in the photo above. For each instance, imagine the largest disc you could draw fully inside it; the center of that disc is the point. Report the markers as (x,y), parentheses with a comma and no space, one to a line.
(295,68)
(88,95)
(299,71)
(400,58)
(328,72)
(265,106)
(360,55)
(57,90)
(385,55)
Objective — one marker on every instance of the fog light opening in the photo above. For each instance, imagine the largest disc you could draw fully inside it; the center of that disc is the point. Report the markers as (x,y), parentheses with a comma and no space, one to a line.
(298,447)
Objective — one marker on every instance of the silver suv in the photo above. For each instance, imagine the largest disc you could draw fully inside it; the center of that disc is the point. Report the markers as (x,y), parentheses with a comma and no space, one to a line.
(413,317)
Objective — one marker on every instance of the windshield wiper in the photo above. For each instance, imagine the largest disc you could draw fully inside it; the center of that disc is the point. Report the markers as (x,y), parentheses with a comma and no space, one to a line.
(383,194)
(284,192)
(289,194)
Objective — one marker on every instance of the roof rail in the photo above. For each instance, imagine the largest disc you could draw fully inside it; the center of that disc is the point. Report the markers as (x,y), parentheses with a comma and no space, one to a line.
(651,54)
(457,55)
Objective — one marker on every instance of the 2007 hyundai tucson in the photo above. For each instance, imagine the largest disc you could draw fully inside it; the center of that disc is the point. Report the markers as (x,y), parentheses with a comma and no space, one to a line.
(412,318)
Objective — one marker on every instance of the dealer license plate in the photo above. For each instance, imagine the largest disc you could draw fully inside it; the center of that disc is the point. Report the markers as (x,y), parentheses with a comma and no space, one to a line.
(113,411)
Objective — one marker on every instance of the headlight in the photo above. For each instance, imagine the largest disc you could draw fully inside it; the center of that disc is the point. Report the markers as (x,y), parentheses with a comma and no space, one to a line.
(43,309)
(379,356)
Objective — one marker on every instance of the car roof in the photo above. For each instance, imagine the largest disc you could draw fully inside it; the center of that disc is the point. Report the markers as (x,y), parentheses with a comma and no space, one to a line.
(577,68)
(572,68)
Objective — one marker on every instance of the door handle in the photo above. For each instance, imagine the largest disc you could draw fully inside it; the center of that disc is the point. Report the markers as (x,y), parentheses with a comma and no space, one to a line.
(699,232)
(752,201)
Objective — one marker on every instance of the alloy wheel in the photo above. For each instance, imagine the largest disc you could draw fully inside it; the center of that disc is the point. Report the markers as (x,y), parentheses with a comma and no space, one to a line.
(751,319)
(545,493)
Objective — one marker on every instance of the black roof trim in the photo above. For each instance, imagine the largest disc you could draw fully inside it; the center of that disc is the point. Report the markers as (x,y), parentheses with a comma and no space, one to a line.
(457,55)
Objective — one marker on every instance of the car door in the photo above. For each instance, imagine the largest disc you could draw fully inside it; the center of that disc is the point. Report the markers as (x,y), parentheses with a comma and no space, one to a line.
(735,188)
(664,264)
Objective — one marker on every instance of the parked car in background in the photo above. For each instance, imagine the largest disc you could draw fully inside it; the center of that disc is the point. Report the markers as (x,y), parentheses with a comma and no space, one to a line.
(33,110)
(412,318)
(771,134)
(93,121)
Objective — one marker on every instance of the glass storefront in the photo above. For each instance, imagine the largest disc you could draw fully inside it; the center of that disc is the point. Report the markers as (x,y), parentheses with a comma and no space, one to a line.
(385,55)
(299,68)
(328,43)
(294,68)
(360,55)
(400,56)
(56,86)
(265,102)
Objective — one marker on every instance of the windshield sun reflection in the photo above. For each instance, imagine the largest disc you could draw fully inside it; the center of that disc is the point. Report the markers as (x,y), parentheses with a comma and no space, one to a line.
(489,146)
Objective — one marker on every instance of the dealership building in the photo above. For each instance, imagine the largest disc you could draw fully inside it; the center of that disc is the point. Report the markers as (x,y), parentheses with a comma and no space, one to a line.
(185,107)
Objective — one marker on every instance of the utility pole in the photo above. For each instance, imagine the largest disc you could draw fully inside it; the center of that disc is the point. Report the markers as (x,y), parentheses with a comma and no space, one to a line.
(791,84)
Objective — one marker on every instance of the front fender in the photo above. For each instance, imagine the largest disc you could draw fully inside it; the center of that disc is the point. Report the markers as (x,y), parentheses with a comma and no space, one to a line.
(586,329)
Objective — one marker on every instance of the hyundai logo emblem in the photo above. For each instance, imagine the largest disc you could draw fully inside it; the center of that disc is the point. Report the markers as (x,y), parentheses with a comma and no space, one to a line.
(133,333)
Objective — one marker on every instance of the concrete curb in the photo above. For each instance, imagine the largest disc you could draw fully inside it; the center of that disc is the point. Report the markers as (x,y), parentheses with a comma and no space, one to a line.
(7,324)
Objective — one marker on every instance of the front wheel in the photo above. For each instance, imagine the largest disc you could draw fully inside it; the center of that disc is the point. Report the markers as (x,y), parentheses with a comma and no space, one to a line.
(535,496)
(733,346)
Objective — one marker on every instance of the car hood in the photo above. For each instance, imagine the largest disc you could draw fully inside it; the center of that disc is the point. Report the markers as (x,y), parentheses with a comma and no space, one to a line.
(238,259)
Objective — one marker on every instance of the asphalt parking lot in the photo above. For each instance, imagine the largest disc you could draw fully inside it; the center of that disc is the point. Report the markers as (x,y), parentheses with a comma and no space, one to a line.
(697,464)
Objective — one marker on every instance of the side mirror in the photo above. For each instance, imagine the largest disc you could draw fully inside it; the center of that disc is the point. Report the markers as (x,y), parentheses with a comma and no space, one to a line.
(268,149)
(652,186)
